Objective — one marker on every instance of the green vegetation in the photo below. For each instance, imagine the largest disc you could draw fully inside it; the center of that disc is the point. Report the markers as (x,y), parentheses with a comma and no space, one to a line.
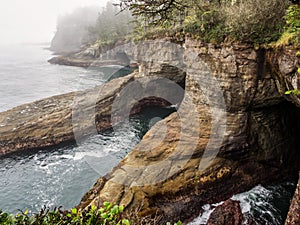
(111,24)
(293,19)
(292,27)
(252,21)
(256,21)
(109,214)
(71,30)
(295,92)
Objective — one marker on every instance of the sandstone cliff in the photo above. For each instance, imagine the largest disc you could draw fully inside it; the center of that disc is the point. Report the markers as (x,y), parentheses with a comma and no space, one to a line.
(233,130)
(204,156)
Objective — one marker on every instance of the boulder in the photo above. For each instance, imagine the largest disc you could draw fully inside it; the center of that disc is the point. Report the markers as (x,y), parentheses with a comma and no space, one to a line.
(228,213)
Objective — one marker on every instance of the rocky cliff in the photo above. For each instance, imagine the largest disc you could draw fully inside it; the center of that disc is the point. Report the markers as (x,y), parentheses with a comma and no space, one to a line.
(293,217)
(233,129)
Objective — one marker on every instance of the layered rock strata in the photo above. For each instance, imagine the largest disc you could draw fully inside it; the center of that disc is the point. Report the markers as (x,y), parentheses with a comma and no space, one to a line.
(48,122)
(71,117)
(232,131)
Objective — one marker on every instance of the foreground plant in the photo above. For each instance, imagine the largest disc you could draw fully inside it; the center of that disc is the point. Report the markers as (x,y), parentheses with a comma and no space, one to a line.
(107,215)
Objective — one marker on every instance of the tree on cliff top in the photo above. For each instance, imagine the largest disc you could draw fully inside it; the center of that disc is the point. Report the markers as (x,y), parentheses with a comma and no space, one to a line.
(111,24)
(156,11)
(214,20)
(161,10)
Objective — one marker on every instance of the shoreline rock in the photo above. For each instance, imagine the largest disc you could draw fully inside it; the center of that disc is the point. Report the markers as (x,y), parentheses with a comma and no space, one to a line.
(48,122)
(83,62)
(228,213)
(71,117)
(293,217)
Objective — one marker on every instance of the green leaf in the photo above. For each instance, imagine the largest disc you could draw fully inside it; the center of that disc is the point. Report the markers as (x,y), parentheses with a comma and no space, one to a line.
(298,71)
(4,215)
(74,211)
(287,92)
(93,208)
(104,215)
(115,210)
(125,222)
(121,208)
(101,210)
(107,205)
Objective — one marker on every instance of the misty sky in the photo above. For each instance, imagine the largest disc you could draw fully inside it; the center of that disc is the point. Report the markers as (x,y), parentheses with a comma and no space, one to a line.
(30,21)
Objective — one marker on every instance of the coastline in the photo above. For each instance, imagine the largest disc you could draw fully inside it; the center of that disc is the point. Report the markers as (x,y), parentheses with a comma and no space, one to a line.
(187,187)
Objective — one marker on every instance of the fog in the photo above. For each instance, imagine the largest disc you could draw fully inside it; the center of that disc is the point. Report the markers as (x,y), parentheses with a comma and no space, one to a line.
(34,21)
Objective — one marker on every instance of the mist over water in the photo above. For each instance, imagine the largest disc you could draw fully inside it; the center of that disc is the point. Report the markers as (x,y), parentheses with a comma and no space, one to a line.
(34,21)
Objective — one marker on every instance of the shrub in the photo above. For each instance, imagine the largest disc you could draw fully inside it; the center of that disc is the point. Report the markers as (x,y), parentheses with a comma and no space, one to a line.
(293,19)
(255,20)
(207,24)
(108,215)
(292,28)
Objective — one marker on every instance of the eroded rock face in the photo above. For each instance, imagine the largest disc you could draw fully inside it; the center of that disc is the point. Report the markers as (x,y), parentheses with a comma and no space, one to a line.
(293,217)
(156,58)
(198,156)
(284,64)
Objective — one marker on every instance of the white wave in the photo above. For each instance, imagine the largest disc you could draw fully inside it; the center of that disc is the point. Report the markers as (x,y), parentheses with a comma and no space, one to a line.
(203,218)
(81,155)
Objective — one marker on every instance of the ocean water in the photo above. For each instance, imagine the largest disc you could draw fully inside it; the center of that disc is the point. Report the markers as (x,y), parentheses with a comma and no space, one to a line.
(27,76)
(61,176)
(269,205)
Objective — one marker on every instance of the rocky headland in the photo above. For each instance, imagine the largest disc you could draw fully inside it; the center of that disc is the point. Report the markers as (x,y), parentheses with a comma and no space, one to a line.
(235,128)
